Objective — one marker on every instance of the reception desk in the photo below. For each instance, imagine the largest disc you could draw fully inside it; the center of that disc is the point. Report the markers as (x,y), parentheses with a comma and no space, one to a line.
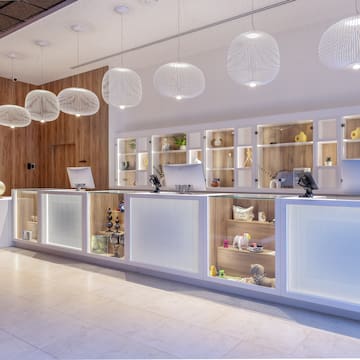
(5,221)
(304,251)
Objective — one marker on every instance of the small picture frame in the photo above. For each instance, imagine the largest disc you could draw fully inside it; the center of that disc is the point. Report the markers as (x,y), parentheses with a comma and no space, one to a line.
(27,235)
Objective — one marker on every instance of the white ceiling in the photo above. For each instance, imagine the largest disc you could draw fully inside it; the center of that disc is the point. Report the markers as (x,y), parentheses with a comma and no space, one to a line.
(147,21)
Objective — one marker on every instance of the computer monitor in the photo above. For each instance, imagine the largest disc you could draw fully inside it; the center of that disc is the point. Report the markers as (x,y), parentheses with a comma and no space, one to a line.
(185,174)
(81,177)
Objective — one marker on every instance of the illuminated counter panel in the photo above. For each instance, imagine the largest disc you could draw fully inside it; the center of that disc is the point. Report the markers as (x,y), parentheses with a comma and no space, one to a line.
(64,222)
(322,250)
(166,232)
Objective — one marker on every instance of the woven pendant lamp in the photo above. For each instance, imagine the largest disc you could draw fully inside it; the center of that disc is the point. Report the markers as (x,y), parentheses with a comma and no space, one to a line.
(13,115)
(179,80)
(339,46)
(78,101)
(122,87)
(253,57)
(43,105)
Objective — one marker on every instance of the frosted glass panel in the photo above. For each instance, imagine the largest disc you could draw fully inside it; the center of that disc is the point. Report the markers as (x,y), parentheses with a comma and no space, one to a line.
(64,220)
(327,129)
(327,178)
(329,236)
(165,232)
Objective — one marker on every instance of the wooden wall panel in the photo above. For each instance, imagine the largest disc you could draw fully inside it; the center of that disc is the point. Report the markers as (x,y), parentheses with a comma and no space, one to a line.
(89,134)
(86,136)
(18,146)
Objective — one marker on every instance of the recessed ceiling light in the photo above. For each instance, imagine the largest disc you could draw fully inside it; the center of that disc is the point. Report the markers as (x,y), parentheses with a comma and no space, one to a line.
(42,43)
(121,9)
(148,2)
(78,27)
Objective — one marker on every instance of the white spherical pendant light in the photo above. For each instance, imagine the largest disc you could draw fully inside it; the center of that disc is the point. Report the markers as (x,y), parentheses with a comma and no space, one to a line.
(14,116)
(78,101)
(339,46)
(43,105)
(122,87)
(253,59)
(179,80)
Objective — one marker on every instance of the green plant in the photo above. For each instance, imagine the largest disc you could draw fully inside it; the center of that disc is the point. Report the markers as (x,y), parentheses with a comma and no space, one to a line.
(180,140)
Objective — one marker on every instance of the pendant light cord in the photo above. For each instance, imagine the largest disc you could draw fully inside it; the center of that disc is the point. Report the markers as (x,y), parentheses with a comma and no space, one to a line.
(121,40)
(42,64)
(357,7)
(252,15)
(178,30)
(78,48)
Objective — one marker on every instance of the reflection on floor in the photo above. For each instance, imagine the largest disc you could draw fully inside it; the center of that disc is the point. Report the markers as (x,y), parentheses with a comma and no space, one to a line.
(58,308)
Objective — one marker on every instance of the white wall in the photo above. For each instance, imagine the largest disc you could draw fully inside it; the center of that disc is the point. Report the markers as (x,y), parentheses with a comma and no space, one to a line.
(302,84)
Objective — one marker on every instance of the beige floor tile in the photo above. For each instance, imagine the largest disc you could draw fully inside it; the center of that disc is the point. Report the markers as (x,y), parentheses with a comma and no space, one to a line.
(55,307)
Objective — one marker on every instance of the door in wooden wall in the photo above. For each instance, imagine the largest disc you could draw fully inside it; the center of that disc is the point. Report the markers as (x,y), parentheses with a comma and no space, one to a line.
(62,156)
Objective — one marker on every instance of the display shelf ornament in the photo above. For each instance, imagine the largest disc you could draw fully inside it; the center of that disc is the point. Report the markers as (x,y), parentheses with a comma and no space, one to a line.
(253,58)
(14,116)
(339,46)
(2,188)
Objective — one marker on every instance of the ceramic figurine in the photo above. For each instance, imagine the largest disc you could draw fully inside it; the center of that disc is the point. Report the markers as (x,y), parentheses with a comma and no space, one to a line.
(213,271)
(109,223)
(257,272)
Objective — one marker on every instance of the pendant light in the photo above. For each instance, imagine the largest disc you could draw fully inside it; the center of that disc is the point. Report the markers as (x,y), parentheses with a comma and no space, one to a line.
(339,46)
(43,105)
(13,115)
(179,80)
(121,87)
(78,101)
(253,57)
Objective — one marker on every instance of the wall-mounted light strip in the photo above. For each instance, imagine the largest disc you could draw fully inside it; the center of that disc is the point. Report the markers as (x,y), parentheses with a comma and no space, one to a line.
(191,31)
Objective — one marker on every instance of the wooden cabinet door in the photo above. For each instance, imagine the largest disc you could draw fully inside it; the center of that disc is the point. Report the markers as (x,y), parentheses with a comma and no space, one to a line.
(62,156)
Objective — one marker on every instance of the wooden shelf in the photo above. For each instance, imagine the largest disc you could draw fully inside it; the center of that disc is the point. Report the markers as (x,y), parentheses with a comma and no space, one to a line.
(215,169)
(237,262)
(220,148)
(265,252)
(169,152)
(300,143)
(352,140)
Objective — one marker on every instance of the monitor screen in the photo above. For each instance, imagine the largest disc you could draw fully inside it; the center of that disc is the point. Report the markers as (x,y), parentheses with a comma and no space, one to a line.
(81,177)
(185,174)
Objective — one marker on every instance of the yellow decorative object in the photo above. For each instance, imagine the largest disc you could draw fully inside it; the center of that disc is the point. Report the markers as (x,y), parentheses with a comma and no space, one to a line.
(213,271)
(2,188)
(301,137)
(355,134)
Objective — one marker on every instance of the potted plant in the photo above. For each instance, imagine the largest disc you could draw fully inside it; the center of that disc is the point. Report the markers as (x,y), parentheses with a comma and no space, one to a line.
(180,141)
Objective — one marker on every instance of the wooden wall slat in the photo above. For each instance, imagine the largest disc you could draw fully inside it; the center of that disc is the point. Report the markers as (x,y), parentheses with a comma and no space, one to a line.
(34,143)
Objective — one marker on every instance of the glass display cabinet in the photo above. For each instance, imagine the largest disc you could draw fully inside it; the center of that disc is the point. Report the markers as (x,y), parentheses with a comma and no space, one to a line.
(327,154)
(351,134)
(284,151)
(245,157)
(107,224)
(242,246)
(26,215)
(220,158)
(168,149)
(126,162)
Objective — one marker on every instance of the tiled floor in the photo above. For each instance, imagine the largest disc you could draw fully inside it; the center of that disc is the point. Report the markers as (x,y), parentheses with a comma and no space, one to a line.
(58,308)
